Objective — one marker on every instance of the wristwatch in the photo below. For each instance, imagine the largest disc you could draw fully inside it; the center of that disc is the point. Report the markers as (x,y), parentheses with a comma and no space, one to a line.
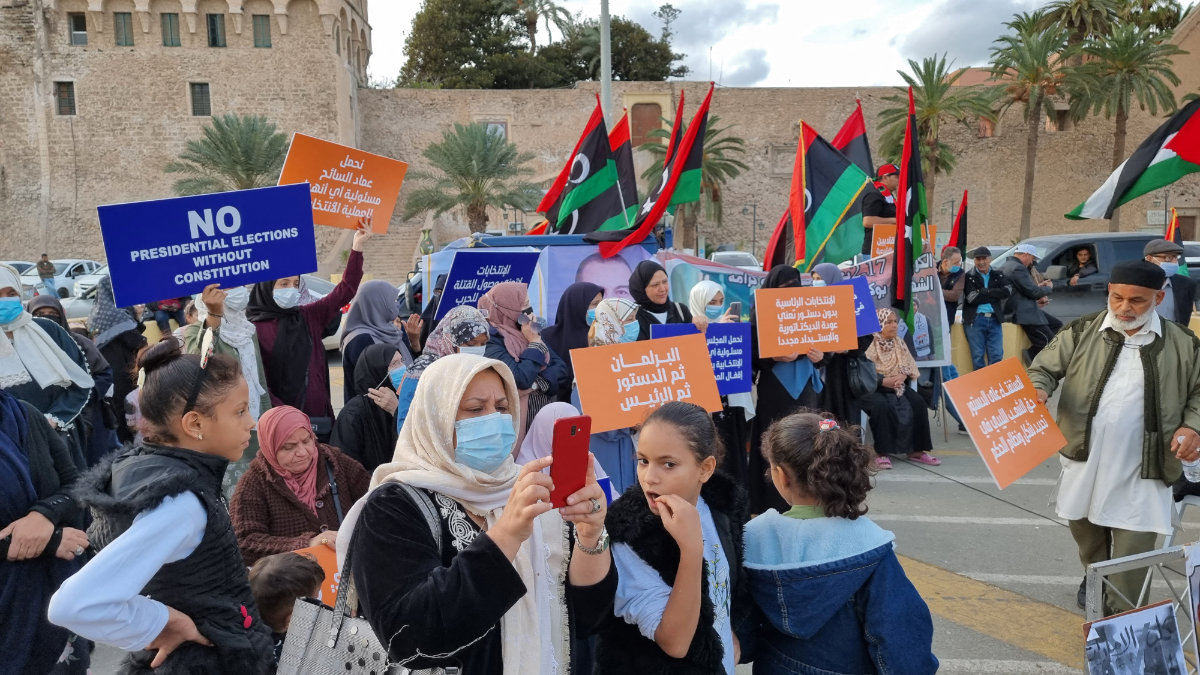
(601,545)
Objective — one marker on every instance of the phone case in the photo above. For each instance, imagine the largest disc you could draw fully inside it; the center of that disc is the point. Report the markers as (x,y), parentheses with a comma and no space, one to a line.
(572,438)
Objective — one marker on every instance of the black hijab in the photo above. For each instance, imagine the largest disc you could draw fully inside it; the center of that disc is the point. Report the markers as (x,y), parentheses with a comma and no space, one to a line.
(570,329)
(782,276)
(642,274)
(376,427)
(287,371)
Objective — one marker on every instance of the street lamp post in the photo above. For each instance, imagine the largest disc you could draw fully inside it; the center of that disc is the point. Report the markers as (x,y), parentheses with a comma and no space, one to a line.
(751,210)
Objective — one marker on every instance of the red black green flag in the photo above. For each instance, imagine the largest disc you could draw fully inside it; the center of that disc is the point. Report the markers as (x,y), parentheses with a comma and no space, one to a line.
(621,144)
(679,183)
(1174,235)
(851,140)
(911,216)
(823,202)
(585,197)
(958,236)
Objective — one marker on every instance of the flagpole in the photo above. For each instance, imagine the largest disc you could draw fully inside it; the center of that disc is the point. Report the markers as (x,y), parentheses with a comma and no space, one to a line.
(605,62)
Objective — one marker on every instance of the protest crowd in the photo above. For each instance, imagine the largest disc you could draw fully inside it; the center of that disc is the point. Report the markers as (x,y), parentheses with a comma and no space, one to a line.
(506,493)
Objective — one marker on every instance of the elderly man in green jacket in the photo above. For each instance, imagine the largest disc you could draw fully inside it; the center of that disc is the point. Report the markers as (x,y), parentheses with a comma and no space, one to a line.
(1130,410)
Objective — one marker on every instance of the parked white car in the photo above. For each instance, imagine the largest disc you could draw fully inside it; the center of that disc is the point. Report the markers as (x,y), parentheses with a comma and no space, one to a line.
(85,282)
(67,270)
(737,259)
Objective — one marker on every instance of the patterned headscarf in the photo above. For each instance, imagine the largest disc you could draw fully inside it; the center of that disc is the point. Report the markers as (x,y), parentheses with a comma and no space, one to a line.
(106,321)
(460,325)
(891,355)
(609,326)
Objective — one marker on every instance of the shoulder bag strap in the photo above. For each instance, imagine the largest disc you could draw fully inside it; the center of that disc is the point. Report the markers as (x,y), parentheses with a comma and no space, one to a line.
(425,504)
(337,502)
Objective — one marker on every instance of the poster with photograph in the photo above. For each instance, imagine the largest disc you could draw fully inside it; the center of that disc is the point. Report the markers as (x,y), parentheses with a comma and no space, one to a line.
(1144,641)
(930,341)
(562,266)
(685,271)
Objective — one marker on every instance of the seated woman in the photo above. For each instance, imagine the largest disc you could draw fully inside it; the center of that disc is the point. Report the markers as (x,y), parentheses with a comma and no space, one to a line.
(296,491)
(452,585)
(898,415)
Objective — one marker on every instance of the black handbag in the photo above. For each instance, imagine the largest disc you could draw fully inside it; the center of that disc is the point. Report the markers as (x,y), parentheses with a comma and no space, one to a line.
(864,379)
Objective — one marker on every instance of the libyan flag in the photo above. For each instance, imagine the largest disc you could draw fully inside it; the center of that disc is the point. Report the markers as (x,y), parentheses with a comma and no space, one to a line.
(621,144)
(1168,154)
(911,216)
(585,196)
(823,206)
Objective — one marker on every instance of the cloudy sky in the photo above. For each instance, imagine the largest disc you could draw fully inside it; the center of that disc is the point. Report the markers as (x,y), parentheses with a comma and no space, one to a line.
(777,43)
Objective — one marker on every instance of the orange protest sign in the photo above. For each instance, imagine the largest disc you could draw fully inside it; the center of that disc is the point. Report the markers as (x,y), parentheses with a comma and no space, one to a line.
(794,320)
(883,239)
(1012,431)
(620,384)
(346,183)
(327,559)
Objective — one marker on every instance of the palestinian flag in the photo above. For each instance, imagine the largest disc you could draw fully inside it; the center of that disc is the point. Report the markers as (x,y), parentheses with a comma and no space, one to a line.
(911,216)
(958,235)
(585,197)
(621,145)
(1170,153)
(852,140)
(1174,235)
(679,183)
(823,202)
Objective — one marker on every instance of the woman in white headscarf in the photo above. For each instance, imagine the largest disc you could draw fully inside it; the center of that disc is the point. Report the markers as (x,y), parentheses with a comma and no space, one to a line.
(224,311)
(41,365)
(511,581)
(707,299)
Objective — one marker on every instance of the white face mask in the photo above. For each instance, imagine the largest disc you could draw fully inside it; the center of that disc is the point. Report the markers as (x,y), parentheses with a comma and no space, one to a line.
(236,299)
(286,298)
(477,350)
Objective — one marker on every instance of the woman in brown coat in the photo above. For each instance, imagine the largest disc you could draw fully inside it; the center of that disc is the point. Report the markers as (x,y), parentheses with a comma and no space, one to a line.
(296,490)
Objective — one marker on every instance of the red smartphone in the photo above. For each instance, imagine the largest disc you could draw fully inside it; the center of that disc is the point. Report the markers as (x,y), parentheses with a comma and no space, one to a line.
(569,447)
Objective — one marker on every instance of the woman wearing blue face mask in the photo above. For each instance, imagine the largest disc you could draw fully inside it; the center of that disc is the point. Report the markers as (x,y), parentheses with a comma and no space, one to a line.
(576,312)
(289,335)
(366,428)
(444,532)
(41,365)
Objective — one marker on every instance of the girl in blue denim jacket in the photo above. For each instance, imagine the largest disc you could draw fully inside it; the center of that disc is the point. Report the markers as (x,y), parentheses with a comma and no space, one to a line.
(832,593)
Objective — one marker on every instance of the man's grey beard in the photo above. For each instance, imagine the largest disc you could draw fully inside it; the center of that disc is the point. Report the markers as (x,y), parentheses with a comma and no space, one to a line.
(1135,323)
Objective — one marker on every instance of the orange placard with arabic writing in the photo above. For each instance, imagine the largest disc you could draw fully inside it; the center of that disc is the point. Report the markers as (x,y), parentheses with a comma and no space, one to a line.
(346,183)
(883,239)
(327,559)
(794,320)
(1012,431)
(620,384)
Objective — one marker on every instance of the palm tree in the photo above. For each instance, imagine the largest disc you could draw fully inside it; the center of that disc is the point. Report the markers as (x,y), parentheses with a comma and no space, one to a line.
(237,152)
(1159,16)
(937,99)
(1032,69)
(1082,19)
(477,169)
(529,12)
(719,165)
(1130,66)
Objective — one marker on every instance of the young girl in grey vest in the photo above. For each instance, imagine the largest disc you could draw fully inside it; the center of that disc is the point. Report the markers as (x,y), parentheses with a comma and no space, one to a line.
(169,585)
(832,593)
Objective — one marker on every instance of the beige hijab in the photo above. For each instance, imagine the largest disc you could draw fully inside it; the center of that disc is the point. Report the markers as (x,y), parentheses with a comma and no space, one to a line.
(534,632)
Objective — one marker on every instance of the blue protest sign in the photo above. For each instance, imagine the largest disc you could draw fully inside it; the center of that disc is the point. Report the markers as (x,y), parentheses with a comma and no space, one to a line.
(728,347)
(169,248)
(474,272)
(864,305)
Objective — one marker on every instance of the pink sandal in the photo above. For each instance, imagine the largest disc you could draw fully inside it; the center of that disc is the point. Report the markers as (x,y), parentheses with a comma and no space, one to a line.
(883,462)
(925,458)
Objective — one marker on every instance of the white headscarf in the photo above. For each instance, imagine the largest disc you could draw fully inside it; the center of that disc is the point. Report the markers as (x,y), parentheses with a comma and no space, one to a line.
(702,294)
(31,355)
(609,326)
(534,632)
(237,332)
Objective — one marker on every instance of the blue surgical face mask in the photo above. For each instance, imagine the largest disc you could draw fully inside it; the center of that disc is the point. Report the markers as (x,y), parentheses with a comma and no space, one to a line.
(397,376)
(1170,268)
(591,316)
(714,311)
(10,309)
(818,282)
(477,350)
(631,332)
(286,298)
(955,269)
(484,443)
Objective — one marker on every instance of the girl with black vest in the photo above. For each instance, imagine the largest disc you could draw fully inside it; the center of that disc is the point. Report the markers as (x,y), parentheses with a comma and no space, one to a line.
(677,544)
(169,584)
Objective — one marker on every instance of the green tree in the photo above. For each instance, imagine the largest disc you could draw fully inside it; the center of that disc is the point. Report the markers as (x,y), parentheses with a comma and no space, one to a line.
(475,169)
(529,12)
(719,165)
(937,99)
(237,152)
(1126,68)
(1032,69)
(1157,16)
(1082,19)
(636,54)
(460,44)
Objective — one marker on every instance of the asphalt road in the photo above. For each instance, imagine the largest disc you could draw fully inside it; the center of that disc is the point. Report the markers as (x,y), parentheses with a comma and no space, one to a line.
(998,569)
